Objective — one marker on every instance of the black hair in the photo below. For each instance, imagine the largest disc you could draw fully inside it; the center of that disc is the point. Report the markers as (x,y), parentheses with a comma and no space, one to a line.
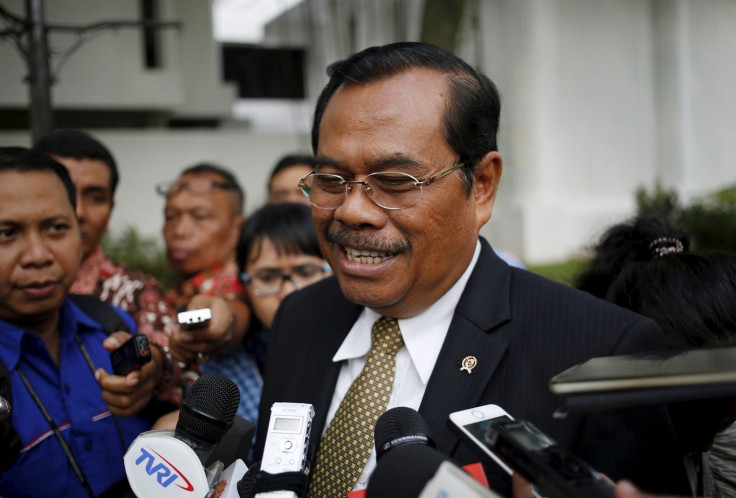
(23,160)
(287,225)
(79,145)
(692,296)
(470,122)
(622,244)
(287,162)
(229,179)
(645,265)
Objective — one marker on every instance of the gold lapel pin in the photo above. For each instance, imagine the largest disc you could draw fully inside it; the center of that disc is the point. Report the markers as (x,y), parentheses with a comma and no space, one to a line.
(469,363)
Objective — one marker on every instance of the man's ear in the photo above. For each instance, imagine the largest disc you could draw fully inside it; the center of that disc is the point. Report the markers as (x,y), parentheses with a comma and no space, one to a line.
(487,176)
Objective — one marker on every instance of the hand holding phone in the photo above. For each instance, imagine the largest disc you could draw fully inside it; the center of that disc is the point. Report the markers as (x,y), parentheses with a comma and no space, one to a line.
(517,444)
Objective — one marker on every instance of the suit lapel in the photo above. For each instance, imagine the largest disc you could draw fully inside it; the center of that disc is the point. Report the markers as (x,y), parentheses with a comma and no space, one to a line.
(483,307)
(342,316)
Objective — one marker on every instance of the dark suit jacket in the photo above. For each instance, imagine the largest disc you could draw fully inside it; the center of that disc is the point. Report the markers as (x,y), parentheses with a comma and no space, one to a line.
(523,329)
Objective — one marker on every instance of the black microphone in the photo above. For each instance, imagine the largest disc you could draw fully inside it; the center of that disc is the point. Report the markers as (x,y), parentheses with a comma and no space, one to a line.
(207,414)
(407,460)
(172,463)
(400,426)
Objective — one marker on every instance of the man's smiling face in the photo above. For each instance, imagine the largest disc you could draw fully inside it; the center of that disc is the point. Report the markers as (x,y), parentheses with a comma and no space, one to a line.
(397,262)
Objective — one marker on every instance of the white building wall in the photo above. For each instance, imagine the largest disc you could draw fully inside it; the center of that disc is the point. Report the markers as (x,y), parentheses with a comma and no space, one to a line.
(108,71)
(600,98)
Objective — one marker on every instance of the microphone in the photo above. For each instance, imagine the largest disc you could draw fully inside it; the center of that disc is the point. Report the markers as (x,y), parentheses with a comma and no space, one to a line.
(400,426)
(169,464)
(207,413)
(409,466)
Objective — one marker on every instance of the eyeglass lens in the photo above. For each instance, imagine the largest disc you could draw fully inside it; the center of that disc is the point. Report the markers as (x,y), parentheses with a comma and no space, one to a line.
(271,281)
(390,190)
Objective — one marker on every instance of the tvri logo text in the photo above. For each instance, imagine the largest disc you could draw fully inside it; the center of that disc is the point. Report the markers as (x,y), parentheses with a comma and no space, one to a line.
(165,472)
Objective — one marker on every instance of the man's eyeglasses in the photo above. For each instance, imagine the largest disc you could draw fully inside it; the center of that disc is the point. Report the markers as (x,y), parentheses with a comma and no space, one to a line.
(199,186)
(270,282)
(389,189)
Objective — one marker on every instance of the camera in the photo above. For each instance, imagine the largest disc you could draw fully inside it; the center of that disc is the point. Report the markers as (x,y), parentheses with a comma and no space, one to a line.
(194,319)
(132,355)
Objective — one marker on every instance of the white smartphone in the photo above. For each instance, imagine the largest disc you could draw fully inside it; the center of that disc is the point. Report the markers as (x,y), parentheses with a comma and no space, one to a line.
(472,425)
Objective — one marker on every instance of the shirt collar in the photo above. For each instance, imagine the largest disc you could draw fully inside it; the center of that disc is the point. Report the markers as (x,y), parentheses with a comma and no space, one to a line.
(71,320)
(423,334)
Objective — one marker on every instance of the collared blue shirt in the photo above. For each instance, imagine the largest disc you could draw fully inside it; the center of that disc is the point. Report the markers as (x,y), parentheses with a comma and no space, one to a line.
(73,397)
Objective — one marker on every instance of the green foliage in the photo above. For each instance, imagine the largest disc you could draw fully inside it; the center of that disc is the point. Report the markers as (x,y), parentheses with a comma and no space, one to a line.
(661,203)
(564,272)
(710,220)
(139,252)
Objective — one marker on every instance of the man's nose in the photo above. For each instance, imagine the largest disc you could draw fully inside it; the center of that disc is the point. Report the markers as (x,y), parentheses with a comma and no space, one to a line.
(81,210)
(358,208)
(36,251)
(182,228)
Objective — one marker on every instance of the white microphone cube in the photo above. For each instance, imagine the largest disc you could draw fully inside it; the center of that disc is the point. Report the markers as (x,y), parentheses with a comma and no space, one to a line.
(159,465)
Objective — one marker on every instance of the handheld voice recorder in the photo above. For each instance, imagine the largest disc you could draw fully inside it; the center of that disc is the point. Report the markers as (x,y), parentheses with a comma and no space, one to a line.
(194,319)
(287,441)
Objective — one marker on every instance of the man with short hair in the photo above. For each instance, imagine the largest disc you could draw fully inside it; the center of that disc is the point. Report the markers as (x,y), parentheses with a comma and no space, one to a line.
(95,175)
(421,312)
(203,216)
(283,184)
(74,418)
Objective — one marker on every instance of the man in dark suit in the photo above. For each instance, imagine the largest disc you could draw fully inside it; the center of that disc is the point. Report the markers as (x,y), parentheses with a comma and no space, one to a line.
(405,175)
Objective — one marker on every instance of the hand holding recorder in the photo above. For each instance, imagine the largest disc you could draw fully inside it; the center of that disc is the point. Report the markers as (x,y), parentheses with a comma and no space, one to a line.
(128,393)
(207,328)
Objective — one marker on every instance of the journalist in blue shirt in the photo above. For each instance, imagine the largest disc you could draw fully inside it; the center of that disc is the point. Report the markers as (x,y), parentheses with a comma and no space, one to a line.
(56,356)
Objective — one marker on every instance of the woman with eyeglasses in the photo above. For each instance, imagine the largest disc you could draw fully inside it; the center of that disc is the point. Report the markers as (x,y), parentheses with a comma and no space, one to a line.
(277,254)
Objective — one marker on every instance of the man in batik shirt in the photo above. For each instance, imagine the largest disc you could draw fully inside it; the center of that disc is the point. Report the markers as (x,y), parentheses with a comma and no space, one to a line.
(204,213)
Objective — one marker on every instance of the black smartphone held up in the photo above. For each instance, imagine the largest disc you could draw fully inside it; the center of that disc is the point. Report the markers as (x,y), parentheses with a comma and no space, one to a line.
(132,355)
(553,470)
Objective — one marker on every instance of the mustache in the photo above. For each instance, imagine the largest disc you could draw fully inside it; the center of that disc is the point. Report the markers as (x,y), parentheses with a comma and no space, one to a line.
(359,240)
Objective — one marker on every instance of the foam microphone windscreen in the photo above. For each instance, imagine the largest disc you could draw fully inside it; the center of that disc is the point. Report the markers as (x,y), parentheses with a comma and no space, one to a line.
(399,426)
(404,471)
(208,410)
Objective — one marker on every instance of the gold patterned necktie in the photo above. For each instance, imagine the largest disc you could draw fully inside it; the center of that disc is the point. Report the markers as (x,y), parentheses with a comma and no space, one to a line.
(348,441)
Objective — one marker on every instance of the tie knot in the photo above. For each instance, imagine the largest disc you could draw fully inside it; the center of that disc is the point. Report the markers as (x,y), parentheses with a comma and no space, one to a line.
(387,335)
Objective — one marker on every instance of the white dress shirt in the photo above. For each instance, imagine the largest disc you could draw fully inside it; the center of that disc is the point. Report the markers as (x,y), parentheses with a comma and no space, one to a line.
(423,337)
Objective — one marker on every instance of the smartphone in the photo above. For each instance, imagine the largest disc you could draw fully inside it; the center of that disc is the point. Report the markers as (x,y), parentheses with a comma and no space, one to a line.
(472,425)
(132,355)
(194,319)
(553,471)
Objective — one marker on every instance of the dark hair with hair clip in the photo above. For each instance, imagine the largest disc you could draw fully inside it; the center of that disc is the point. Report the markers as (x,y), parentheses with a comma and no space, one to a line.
(662,246)
(644,265)
(622,244)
